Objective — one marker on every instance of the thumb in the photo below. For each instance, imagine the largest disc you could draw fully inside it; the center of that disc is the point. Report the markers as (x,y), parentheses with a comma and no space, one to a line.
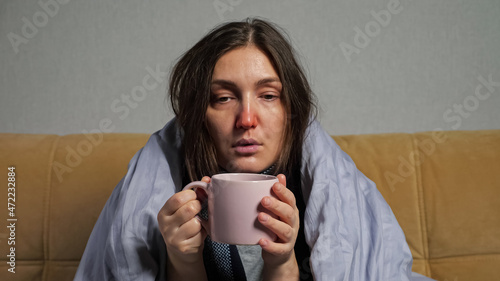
(206,179)
(282,179)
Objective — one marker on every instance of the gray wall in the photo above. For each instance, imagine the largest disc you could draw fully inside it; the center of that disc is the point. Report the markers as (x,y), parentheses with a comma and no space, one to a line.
(69,67)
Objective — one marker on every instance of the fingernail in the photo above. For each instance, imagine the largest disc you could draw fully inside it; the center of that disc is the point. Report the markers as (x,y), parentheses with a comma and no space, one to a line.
(266,201)
(277,187)
(264,217)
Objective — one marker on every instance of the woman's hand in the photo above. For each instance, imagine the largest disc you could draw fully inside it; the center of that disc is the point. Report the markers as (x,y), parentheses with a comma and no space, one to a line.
(279,256)
(183,236)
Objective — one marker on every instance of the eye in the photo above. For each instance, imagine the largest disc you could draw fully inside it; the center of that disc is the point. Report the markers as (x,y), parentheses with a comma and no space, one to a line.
(223,99)
(220,99)
(270,96)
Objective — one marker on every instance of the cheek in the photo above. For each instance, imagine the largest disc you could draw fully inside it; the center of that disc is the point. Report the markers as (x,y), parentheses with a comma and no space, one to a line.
(277,124)
(216,129)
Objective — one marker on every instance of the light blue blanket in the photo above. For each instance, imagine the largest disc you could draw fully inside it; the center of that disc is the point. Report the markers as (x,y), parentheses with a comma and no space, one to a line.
(350,229)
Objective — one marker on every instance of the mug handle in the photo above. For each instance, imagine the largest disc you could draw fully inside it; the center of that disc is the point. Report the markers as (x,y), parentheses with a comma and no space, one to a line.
(203,185)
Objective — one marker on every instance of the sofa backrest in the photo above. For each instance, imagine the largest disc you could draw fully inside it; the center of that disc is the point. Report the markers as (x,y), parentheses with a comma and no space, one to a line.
(444,189)
(62,184)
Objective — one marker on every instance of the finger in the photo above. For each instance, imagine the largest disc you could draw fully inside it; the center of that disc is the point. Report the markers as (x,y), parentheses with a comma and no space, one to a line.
(190,229)
(206,179)
(186,212)
(197,239)
(285,232)
(284,194)
(276,249)
(281,179)
(187,246)
(281,209)
(177,200)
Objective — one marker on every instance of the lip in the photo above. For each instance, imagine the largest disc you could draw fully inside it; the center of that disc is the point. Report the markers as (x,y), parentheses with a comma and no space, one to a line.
(246,146)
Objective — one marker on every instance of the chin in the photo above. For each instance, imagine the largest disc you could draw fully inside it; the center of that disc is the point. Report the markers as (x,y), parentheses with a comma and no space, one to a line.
(245,167)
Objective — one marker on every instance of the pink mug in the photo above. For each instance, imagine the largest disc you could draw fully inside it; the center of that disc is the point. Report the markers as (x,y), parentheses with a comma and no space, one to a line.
(233,206)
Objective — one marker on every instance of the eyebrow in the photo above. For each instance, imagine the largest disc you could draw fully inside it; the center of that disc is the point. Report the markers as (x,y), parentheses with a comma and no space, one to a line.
(229,83)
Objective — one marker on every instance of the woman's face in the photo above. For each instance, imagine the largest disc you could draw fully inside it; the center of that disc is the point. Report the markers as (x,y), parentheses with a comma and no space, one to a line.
(246,117)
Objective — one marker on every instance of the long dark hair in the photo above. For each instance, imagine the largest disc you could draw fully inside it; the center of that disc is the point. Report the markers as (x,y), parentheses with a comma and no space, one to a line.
(190,91)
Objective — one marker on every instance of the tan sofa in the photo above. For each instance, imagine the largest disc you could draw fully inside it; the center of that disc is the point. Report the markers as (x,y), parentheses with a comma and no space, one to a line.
(444,189)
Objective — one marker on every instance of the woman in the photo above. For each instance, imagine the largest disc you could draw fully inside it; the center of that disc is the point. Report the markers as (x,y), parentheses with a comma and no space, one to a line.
(243,104)
(234,109)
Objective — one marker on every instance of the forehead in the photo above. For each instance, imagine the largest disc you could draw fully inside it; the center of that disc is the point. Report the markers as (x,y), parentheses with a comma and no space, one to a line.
(247,62)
